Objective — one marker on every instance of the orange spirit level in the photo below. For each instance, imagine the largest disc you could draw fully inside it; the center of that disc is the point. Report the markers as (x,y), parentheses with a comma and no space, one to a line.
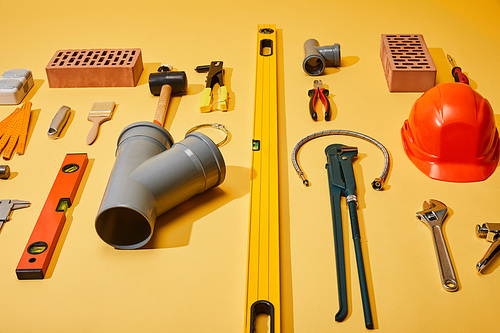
(37,254)
(263,272)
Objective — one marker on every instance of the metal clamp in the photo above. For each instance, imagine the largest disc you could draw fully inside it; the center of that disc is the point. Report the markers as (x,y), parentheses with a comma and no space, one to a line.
(216,126)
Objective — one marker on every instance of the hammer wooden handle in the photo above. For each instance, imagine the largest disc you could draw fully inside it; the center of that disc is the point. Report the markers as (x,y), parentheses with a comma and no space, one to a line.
(161,108)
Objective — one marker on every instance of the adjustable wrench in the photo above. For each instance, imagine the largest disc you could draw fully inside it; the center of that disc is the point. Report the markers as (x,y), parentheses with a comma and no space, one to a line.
(433,214)
(490,232)
(6,206)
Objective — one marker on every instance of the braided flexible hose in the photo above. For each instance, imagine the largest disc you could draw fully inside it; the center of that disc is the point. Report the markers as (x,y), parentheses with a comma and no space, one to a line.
(377,184)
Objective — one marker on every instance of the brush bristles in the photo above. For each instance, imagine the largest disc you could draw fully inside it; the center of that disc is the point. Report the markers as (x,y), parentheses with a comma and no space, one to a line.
(102,108)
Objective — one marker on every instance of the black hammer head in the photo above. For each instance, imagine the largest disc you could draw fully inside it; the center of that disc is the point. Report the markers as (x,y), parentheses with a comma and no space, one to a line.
(177,80)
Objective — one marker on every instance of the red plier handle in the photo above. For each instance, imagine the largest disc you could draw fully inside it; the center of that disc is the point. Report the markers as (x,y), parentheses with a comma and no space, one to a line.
(322,93)
(459,76)
(456,71)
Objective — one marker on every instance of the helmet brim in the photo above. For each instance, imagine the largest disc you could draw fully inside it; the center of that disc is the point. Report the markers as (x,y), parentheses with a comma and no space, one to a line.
(433,167)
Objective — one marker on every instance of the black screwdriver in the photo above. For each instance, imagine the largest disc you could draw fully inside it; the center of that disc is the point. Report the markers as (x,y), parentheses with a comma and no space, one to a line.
(457,72)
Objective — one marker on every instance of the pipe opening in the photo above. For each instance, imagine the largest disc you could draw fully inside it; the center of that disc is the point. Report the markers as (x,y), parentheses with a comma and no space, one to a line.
(314,65)
(123,228)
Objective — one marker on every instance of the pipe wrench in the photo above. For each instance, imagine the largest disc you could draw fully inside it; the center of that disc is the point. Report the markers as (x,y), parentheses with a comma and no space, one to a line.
(341,182)
(433,214)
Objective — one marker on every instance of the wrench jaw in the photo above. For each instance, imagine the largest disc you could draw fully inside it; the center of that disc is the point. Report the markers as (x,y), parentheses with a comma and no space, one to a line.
(434,212)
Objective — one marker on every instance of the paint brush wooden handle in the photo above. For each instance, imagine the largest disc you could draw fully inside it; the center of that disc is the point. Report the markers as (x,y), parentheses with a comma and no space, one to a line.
(161,108)
(92,136)
(99,113)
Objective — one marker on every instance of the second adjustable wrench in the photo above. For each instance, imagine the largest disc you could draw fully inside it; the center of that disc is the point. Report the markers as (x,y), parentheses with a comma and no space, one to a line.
(433,214)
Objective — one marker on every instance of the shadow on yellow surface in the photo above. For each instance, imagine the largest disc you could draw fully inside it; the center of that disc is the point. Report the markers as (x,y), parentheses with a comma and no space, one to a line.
(344,62)
(38,84)
(173,229)
(150,67)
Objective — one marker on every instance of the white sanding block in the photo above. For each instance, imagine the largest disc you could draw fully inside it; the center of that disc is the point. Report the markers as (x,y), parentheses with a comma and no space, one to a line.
(15,85)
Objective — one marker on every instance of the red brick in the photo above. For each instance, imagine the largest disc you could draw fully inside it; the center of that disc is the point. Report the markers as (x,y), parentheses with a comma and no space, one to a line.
(407,63)
(95,68)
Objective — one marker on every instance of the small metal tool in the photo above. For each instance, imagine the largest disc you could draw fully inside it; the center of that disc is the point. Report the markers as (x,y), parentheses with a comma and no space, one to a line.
(490,232)
(4,172)
(58,122)
(7,206)
(433,214)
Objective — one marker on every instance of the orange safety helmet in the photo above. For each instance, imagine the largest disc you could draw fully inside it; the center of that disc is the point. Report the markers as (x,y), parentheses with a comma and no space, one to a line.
(451,135)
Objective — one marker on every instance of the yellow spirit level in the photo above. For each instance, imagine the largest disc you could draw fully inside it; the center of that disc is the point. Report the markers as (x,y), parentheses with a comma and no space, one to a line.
(263,271)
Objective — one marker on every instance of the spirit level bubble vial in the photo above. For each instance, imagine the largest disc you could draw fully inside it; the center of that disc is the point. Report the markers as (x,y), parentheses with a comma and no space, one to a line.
(43,240)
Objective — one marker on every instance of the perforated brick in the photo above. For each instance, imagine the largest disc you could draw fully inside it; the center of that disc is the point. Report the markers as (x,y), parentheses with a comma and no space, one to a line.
(407,63)
(95,68)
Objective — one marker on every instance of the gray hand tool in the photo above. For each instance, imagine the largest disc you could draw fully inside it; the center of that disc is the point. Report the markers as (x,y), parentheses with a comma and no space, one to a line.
(60,119)
(490,232)
(6,206)
(433,214)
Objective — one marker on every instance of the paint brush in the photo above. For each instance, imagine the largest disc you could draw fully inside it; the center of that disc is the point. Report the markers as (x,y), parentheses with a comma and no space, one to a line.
(99,113)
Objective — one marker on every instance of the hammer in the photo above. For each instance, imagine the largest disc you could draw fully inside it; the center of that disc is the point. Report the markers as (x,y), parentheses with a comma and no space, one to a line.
(166,83)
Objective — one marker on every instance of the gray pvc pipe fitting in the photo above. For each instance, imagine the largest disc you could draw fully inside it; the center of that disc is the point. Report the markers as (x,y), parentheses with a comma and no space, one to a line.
(317,58)
(152,175)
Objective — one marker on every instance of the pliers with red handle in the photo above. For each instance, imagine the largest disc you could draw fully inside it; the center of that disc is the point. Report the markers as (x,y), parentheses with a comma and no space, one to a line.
(322,93)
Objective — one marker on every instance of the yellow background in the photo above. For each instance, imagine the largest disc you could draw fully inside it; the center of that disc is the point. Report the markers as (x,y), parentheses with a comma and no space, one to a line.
(191,276)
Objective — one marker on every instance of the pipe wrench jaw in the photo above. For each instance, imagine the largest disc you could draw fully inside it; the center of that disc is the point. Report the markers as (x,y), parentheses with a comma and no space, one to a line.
(340,174)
